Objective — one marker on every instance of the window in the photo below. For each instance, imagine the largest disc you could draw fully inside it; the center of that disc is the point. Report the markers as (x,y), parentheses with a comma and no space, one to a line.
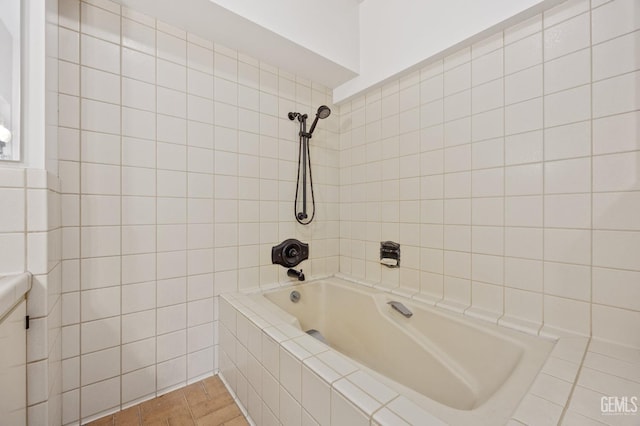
(10,19)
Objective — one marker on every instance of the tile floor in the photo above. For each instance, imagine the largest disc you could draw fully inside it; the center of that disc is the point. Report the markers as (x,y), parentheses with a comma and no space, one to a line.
(204,403)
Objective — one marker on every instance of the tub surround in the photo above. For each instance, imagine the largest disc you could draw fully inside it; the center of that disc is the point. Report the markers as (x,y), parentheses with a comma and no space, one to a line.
(276,371)
(507,171)
(178,166)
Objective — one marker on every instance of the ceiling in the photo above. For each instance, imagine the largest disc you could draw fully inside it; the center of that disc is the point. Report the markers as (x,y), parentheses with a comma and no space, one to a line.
(276,32)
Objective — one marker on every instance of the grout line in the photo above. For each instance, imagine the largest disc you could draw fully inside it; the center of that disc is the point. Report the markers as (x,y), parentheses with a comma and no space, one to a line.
(470,279)
(565,409)
(591,120)
(444,198)
(544,176)
(80,163)
(121,286)
(186,207)
(155,225)
(504,183)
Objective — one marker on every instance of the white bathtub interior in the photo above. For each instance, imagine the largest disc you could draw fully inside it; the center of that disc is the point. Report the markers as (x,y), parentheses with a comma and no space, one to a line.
(460,368)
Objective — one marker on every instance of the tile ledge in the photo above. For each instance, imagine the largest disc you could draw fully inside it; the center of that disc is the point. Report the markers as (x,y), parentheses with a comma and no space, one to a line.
(13,289)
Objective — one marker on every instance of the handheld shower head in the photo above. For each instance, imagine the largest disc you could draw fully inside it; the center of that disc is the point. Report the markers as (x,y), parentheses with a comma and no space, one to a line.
(323,112)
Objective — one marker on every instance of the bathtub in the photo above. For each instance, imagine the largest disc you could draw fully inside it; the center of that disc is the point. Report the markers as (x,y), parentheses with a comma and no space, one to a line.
(460,370)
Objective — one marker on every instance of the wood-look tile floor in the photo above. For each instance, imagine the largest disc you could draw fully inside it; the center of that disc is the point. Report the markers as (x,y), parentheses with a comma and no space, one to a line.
(205,403)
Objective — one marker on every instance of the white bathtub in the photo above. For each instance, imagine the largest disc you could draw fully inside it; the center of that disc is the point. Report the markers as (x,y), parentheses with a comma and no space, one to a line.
(461,370)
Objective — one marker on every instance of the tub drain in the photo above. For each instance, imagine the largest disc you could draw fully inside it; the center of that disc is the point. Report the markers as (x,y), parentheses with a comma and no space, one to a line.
(316,335)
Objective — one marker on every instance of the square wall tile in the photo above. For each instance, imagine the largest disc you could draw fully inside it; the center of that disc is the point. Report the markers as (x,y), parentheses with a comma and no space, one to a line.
(615,325)
(566,280)
(524,305)
(12,215)
(523,53)
(523,274)
(567,245)
(523,85)
(343,412)
(316,397)
(487,67)
(100,397)
(98,304)
(100,365)
(615,210)
(567,106)
(99,54)
(614,19)
(12,248)
(487,297)
(567,71)
(567,314)
(616,133)
(615,172)
(567,37)
(616,288)
(611,96)
(616,249)
(138,384)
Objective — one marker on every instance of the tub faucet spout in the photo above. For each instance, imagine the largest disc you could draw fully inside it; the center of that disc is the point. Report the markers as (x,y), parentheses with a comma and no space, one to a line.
(400,308)
(295,274)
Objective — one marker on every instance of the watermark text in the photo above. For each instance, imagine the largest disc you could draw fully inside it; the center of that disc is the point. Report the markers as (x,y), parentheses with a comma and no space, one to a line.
(619,405)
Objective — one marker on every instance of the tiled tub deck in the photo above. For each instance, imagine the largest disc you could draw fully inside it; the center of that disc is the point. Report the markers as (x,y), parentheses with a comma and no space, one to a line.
(280,375)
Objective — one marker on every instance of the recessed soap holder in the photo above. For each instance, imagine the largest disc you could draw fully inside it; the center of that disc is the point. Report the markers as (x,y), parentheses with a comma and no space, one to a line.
(390,254)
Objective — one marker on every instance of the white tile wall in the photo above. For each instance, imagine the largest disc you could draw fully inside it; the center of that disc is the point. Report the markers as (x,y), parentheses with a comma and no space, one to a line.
(177,165)
(521,155)
(30,236)
(507,171)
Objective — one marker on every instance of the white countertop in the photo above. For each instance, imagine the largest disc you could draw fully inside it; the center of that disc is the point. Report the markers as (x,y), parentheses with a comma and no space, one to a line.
(12,290)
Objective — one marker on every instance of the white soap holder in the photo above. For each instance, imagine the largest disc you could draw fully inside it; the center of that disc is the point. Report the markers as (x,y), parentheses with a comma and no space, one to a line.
(390,254)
